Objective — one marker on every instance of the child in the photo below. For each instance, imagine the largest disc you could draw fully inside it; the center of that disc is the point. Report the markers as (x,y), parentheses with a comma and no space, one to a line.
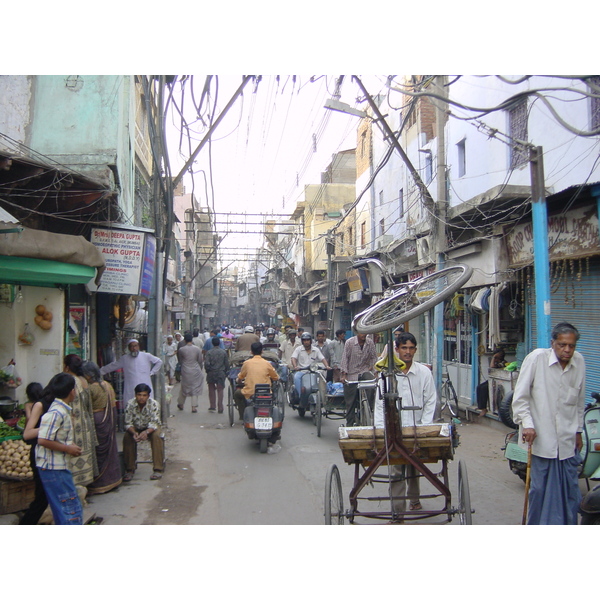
(55,441)
(33,391)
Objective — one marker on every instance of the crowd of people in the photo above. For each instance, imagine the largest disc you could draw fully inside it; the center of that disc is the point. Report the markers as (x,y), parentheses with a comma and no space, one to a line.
(72,422)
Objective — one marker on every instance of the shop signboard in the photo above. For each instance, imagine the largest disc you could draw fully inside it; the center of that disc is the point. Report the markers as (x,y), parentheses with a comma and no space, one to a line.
(130,256)
(573,234)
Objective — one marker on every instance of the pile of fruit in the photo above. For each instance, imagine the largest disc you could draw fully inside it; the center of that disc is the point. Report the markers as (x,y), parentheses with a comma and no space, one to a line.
(14,460)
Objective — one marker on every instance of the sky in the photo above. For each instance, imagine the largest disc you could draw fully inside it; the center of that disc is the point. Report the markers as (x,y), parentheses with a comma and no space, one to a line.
(274,140)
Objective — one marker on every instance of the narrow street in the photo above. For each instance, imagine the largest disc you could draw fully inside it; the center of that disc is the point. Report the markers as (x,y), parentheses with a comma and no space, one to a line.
(215,476)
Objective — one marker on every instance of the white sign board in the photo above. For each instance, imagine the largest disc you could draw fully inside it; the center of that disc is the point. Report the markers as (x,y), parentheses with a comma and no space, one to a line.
(129,257)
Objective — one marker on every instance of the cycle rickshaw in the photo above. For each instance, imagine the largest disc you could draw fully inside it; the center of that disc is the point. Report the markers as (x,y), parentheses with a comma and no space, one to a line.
(372,448)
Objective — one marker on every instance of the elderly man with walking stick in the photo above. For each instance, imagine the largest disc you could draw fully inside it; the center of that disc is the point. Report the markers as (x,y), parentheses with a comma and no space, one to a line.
(548,405)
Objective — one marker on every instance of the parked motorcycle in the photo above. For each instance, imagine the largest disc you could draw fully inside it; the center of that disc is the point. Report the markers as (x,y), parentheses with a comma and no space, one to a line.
(590,454)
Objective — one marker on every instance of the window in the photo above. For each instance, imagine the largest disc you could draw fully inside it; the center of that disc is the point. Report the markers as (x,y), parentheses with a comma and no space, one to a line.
(382,227)
(342,247)
(401,203)
(428,168)
(462,160)
(350,237)
(517,129)
(595,102)
(381,198)
(363,234)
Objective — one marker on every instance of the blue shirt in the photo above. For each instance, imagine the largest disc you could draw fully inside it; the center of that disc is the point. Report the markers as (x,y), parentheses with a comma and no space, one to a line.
(208,345)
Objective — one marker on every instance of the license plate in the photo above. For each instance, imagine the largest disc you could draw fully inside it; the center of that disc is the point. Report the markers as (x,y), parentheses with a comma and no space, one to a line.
(263,423)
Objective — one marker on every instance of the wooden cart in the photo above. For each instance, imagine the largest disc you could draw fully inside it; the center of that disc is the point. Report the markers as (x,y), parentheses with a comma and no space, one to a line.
(373,448)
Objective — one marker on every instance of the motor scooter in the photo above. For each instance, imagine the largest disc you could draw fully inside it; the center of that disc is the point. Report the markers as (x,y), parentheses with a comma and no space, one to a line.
(590,505)
(310,390)
(263,416)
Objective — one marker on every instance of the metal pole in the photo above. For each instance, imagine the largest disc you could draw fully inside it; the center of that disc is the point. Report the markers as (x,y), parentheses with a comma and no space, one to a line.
(440,232)
(541,258)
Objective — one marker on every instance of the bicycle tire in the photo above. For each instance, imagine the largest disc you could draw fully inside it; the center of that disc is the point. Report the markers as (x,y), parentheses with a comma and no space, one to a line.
(451,399)
(406,303)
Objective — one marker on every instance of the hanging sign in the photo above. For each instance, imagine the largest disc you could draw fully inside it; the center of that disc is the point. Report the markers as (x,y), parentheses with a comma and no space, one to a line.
(129,257)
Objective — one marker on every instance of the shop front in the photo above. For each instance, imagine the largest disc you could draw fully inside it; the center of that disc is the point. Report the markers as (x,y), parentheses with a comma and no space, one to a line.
(43,304)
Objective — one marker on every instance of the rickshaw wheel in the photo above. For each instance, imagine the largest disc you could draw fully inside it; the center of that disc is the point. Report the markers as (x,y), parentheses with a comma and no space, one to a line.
(319,413)
(230,405)
(334,503)
(464,496)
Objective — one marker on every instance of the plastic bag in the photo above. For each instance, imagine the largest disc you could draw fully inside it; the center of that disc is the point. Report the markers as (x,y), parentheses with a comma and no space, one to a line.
(26,338)
(9,376)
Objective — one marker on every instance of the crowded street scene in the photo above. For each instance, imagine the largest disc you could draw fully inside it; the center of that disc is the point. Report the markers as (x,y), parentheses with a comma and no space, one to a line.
(404,337)
(240,308)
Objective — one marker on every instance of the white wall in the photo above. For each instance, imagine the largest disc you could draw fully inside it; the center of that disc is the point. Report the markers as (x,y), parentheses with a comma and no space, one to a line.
(568,158)
(44,358)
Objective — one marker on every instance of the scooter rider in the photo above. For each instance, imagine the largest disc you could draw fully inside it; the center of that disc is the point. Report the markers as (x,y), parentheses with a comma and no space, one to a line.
(303,356)
(254,370)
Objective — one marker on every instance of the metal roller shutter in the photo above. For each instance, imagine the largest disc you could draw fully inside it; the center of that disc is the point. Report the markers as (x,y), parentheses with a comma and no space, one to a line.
(577,300)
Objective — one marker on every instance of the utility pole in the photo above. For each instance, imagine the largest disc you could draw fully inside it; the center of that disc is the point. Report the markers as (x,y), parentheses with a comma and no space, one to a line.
(439,227)
(330,246)
(541,258)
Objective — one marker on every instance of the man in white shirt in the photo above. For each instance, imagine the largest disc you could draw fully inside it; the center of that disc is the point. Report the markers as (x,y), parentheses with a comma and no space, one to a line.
(416,387)
(548,405)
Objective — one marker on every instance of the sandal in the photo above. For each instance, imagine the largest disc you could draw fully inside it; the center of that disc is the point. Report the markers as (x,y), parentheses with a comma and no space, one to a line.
(180,407)
(156,475)
(194,410)
(415,505)
(128,476)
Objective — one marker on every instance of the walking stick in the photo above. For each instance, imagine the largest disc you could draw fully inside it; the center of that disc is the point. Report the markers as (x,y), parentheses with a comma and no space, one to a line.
(527,482)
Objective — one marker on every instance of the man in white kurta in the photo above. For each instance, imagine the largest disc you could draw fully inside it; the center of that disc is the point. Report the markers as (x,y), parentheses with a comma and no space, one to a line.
(548,405)
(138,367)
(416,387)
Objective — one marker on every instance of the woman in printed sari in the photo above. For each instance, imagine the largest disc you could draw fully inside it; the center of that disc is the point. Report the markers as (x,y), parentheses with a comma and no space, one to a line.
(84,467)
(104,410)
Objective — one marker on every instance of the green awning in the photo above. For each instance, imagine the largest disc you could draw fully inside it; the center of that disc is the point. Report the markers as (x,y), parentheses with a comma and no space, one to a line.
(44,273)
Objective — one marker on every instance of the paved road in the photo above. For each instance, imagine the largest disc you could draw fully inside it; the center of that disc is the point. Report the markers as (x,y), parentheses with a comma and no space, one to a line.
(215,475)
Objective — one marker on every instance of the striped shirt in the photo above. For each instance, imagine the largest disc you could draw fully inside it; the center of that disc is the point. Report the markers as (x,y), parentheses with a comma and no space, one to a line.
(357,360)
(56,426)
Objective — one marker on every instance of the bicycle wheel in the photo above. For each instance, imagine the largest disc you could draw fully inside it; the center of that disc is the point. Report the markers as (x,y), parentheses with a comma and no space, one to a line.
(464,495)
(319,413)
(412,300)
(334,503)
(365,417)
(230,404)
(450,399)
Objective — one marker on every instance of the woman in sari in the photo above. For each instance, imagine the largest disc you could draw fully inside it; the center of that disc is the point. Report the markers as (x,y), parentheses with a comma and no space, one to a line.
(84,467)
(104,410)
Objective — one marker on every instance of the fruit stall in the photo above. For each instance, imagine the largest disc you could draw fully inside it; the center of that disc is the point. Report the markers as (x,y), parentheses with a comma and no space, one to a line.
(16,476)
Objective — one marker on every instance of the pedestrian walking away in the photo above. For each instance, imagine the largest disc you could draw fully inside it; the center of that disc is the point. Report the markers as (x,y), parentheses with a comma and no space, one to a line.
(548,405)
(216,364)
(192,377)
(170,354)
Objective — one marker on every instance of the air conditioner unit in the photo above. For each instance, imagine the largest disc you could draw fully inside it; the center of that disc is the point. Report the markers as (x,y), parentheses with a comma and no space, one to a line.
(425,253)
(384,240)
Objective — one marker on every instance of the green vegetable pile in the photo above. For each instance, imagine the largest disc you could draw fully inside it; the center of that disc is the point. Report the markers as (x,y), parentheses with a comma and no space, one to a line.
(7,430)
